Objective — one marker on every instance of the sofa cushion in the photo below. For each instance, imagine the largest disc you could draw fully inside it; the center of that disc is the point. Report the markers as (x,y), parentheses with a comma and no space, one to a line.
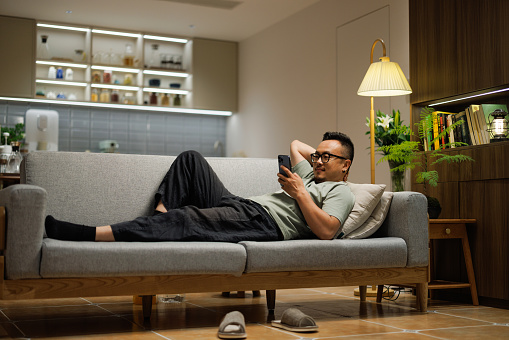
(296,255)
(367,197)
(105,259)
(376,219)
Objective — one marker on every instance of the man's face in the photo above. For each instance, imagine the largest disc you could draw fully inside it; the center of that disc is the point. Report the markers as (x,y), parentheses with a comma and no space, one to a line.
(333,169)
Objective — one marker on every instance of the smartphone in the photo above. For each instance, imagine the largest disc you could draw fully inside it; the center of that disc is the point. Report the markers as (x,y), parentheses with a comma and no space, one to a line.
(284,160)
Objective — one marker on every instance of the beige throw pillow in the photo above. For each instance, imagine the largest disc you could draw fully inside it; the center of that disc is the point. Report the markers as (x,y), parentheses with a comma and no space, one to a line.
(376,219)
(367,196)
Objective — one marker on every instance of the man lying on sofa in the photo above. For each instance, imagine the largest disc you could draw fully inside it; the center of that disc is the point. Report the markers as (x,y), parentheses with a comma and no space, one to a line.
(192,204)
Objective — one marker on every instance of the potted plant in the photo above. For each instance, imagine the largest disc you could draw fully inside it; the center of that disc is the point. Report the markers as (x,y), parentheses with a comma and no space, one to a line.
(16,134)
(407,153)
(389,130)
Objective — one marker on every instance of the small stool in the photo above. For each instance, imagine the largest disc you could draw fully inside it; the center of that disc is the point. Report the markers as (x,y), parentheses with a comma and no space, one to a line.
(440,229)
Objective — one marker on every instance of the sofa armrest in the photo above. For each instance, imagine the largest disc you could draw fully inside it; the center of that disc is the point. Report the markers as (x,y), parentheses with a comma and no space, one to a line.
(408,219)
(25,207)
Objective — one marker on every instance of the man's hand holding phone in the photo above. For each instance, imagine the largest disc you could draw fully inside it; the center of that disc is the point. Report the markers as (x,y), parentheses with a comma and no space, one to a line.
(290,182)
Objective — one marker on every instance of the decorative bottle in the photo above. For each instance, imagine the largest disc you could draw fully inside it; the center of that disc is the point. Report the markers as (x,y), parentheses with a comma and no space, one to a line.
(15,158)
(43,50)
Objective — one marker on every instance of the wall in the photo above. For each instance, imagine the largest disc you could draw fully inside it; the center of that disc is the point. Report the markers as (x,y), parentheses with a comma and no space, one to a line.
(136,132)
(288,81)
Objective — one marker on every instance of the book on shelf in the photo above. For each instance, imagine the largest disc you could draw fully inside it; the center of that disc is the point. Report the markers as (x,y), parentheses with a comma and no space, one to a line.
(436,141)
(441,125)
(450,121)
(471,128)
(465,131)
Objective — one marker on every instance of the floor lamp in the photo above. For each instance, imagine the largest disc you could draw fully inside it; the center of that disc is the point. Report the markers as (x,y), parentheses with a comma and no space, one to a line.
(383,79)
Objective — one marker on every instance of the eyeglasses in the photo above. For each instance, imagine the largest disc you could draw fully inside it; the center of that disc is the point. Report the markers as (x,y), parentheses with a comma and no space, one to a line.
(324,156)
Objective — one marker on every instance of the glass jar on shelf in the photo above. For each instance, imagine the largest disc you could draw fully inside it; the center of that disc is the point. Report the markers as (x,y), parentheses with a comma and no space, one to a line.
(177,101)
(115,97)
(107,77)
(128,79)
(129,98)
(94,96)
(4,157)
(154,56)
(165,101)
(129,55)
(105,96)
(153,99)
(96,77)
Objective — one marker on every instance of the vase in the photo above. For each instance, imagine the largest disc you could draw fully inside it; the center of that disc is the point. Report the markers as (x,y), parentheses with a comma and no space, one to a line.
(397,177)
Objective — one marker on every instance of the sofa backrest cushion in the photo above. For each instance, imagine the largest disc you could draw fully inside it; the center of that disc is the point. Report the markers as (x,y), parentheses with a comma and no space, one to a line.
(99,189)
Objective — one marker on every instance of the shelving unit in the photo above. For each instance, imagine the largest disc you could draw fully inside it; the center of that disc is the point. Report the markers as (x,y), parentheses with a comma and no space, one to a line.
(457,58)
(126,57)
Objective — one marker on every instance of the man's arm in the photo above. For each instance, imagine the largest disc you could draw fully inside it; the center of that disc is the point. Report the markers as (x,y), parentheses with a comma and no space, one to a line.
(300,151)
(323,225)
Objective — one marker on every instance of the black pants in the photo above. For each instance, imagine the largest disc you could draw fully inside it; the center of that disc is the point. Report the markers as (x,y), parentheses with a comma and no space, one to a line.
(199,208)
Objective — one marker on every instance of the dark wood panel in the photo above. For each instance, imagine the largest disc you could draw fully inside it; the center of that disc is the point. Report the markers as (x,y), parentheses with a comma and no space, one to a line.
(457,47)
(432,30)
(492,241)
(482,36)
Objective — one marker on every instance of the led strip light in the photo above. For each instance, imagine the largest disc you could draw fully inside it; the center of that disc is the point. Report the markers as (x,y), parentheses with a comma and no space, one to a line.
(123,106)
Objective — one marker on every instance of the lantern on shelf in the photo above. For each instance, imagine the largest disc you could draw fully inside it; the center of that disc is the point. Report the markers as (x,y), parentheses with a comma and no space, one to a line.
(498,128)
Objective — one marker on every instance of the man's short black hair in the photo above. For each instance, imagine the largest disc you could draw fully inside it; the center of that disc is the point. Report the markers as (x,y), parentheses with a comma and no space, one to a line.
(345,141)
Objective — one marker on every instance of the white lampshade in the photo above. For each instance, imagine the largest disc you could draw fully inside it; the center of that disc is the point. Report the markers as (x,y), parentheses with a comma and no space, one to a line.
(384,78)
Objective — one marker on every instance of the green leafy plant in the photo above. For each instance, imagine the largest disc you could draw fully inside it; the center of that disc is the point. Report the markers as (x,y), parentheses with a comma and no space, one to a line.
(16,134)
(407,152)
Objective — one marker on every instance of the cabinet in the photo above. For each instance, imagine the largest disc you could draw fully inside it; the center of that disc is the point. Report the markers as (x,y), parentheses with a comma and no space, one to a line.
(134,68)
(458,54)
(18,64)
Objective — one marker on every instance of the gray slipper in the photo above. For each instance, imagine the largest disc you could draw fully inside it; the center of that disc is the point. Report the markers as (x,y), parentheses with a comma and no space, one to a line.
(233,326)
(295,321)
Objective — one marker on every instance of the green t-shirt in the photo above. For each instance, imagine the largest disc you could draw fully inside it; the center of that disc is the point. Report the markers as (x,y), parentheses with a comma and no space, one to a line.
(335,198)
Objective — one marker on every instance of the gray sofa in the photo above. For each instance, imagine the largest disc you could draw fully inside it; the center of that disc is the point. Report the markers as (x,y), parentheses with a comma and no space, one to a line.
(100,189)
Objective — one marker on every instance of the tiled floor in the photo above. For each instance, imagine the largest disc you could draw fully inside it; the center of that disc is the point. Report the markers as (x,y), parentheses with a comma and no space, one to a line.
(338,313)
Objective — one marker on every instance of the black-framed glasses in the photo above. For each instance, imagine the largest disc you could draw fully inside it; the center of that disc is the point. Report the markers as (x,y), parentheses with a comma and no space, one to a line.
(324,156)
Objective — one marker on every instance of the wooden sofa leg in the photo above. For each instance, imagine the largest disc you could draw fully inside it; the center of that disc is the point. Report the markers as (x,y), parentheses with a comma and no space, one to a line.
(146,301)
(271,300)
(362,292)
(422,296)
(379,293)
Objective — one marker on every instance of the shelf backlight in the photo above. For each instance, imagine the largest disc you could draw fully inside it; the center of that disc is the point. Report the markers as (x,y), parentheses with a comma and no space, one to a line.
(166,73)
(116,87)
(58,63)
(468,97)
(123,106)
(59,82)
(122,34)
(116,69)
(69,28)
(159,90)
(154,37)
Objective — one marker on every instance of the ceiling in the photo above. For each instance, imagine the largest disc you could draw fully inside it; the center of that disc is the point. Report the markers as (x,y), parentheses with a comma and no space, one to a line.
(233,20)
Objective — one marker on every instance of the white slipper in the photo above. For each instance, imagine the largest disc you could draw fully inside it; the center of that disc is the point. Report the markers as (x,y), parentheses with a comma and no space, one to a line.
(233,326)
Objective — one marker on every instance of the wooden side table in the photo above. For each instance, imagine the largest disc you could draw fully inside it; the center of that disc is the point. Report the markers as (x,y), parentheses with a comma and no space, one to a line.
(8,179)
(440,229)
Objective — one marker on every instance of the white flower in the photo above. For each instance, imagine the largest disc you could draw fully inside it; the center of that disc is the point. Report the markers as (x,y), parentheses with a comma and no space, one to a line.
(385,121)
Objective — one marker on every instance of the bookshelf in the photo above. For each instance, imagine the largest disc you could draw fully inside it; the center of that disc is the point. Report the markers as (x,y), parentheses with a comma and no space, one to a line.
(454,64)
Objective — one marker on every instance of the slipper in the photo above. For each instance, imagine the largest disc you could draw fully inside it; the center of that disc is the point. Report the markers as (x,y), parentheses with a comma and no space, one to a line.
(233,326)
(295,321)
